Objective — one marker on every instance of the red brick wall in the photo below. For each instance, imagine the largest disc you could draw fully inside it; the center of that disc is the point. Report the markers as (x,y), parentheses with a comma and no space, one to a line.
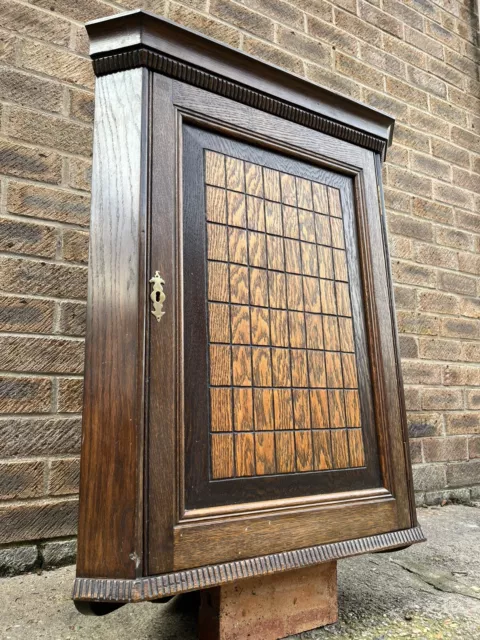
(416,59)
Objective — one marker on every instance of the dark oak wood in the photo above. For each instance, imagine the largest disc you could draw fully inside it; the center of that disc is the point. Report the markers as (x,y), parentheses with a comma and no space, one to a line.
(259,425)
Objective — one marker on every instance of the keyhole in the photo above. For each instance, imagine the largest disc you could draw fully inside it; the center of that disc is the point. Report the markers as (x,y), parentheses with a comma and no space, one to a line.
(157,296)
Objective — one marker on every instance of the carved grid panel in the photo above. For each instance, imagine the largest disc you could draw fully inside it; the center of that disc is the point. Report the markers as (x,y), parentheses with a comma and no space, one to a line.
(282,366)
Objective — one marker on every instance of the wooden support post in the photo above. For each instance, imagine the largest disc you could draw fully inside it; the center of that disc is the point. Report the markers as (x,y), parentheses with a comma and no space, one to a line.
(270,607)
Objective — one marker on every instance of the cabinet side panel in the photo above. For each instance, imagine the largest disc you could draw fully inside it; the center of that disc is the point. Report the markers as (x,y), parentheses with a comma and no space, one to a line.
(112,420)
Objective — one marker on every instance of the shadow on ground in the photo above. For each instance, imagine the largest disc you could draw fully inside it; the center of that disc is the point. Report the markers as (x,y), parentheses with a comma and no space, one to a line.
(429,591)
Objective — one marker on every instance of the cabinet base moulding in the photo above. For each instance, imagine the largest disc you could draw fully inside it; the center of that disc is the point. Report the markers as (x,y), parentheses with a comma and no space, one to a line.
(156,587)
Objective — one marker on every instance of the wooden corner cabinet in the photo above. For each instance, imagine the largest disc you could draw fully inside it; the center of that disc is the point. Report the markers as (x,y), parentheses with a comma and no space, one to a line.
(243,408)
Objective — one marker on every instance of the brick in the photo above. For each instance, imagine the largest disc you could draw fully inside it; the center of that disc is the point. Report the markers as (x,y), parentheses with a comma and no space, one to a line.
(459,375)
(451,153)
(327,33)
(436,256)
(401,11)
(81,105)
(70,395)
(358,28)
(426,7)
(64,477)
(406,92)
(466,139)
(463,99)
(38,521)
(385,103)
(400,247)
(405,298)
(58,553)
(404,51)
(441,498)
(398,155)
(460,328)
(7,48)
(460,62)
(432,210)
(407,226)
(56,63)
(463,474)
(380,19)
(408,347)
(80,42)
(443,71)
(19,480)
(382,60)
(305,47)
(397,200)
(468,221)
(279,11)
(49,204)
(412,398)
(81,10)
(360,72)
(30,91)
(453,238)
(428,124)
(436,349)
(274,55)
(474,448)
(32,164)
(423,42)
(26,20)
(73,318)
(445,449)
(442,399)
(469,263)
(415,372)
(416,451)
(156,6)
(429,477)
(414,274)
(453,195)
(430,167)
(471,352)
(25,395)
(16,560)
(412,138)
(417,323)
(448,112)
(443,35)
(333,81)
(80,174)
(203,24)
(26,315)
(437,302)
(470,307)
(49,355)
(50,131)
(457,283)
(243,18)
(427,82)
(466,180)
(23,437)
(42,278)
(75,246)
(30,239)
(424,425)
(321,9)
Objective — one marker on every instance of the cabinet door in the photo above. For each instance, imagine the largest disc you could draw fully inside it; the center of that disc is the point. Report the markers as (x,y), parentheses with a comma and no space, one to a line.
(281,391)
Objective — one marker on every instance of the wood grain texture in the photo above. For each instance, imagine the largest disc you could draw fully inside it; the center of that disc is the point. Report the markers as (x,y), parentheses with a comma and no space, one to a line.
(156,587)
(110,479)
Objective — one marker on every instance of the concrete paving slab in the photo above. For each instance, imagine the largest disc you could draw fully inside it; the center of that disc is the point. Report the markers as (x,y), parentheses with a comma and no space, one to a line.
(429,591)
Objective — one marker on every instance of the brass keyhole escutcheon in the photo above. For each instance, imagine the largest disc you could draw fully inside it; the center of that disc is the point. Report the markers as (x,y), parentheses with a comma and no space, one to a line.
(157,296)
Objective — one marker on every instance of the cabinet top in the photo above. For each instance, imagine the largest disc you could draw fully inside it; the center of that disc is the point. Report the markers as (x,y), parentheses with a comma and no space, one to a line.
(141,39)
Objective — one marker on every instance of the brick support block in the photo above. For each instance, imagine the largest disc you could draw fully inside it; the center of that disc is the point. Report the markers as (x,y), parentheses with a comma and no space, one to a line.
(270,607)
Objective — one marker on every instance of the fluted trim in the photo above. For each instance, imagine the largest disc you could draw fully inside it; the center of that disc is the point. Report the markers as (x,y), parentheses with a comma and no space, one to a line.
(155,587)
(161,63)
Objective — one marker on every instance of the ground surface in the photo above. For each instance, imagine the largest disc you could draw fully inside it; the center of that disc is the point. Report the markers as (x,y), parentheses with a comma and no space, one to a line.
(430,591)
